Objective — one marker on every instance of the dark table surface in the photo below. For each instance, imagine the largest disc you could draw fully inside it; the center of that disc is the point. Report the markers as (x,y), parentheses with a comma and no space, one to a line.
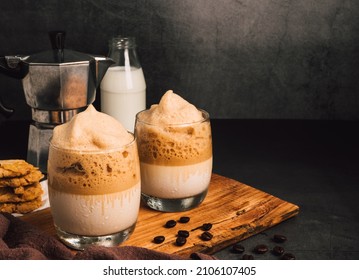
(313,164)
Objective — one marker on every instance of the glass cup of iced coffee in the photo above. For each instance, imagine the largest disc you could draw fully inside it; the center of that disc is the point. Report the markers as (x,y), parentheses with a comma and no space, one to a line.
(175,149)
(94,181)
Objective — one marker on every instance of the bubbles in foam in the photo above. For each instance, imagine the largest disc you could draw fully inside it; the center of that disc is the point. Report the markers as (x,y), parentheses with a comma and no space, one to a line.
(174,145)
(92,173)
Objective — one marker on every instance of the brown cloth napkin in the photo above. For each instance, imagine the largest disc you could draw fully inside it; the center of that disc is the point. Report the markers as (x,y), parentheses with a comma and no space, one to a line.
(20,240)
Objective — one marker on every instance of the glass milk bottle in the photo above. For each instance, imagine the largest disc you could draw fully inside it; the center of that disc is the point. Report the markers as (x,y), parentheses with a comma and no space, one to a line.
(123,89)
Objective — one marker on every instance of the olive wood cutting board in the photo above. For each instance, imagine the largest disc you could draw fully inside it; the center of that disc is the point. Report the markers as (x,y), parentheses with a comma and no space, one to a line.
(235,210)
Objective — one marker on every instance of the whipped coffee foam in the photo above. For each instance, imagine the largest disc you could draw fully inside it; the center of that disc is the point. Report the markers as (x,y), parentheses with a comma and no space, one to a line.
(92,154)
(173,132)
(171,110)
(90,173)
(91,131)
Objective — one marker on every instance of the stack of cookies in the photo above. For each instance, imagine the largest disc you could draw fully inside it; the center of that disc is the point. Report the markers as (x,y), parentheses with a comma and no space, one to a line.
(20,188)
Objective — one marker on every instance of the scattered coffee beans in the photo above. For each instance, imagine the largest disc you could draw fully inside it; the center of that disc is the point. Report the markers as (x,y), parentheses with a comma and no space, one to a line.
(278,238)
(206,236)
(261,249)
(247,257)
(183,233)
(206,226)
(170,224)
(278,250)
(184,220)
(238,249)
(159,239)
(180,241)
(288,256)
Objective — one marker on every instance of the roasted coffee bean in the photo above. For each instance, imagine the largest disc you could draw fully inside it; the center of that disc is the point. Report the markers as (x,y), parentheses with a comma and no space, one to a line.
(180,241)
(261,249)
(206,226)
(247,257)
(195,256)
(238,249)
(170,224)
(206,236)
(288,256)
(159,239)
(183,233)
(278,238)
(184,220)
(278,250)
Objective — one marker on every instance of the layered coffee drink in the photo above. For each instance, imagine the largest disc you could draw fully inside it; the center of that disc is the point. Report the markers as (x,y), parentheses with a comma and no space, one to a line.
(175,149)
(94,180)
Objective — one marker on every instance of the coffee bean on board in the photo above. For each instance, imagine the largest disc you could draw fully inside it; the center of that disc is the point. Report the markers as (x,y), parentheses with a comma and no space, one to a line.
(170,224)
(206,236)
(158,239)
(183,233)
(184,220)
(247,257)
(288,256)
(237,248)
(261,249)
(278,238)
(180,241)
(206,226)
(277,250)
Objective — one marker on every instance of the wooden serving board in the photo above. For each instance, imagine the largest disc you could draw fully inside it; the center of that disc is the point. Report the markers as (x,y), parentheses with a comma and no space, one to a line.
(236,211)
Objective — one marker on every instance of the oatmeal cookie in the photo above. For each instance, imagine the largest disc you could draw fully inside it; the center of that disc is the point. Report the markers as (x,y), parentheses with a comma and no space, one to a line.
(9,194)
(34,176)
(21,207)
(14,168)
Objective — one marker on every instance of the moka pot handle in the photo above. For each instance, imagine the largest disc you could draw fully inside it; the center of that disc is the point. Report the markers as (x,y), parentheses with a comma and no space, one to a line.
(7,112)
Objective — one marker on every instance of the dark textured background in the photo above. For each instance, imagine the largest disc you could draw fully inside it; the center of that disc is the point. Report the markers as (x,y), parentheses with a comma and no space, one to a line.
(252,59)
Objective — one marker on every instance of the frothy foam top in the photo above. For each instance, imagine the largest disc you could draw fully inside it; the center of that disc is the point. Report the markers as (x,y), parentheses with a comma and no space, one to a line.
(172,109)
(91,130)
(174,132)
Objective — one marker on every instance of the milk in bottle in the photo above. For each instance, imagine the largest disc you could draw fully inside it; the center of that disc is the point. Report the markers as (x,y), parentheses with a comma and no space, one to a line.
(123,89)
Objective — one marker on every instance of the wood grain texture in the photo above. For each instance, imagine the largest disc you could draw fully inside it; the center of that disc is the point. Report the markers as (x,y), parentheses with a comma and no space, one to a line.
(236,211)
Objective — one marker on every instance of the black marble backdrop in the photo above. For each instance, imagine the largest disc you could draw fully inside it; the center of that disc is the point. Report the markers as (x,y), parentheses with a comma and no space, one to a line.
(251,59)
